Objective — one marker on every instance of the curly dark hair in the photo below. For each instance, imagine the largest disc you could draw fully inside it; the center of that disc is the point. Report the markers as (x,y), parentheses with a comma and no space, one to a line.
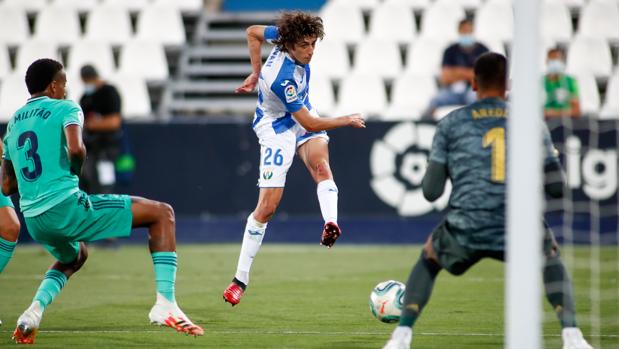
(295,26)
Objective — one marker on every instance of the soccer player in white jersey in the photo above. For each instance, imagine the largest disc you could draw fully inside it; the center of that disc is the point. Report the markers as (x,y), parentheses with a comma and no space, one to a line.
(285,122)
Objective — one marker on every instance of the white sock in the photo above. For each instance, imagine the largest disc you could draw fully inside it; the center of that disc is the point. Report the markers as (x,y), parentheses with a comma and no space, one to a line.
(327,197)
(252,239)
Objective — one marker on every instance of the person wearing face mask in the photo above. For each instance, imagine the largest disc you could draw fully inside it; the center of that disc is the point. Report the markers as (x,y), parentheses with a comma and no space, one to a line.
(561,90)
(457,70)
(101,104)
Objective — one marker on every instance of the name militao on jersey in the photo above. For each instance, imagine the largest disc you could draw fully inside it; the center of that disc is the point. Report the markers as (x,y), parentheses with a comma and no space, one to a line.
(36,145)
(470,141)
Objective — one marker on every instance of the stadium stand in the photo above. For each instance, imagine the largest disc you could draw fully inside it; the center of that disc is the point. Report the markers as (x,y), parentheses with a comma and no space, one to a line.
(363,93)
(145,59)
(79,5)
(13,24)
(57,24)
(378,57)
(12,95)
(31,50)
(109,24)
(611,106)
(410,97)
(163,24)
(394,23)
(589,95)
(149,39)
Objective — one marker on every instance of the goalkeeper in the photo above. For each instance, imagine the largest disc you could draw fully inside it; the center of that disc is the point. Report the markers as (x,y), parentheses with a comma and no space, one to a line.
(469,148)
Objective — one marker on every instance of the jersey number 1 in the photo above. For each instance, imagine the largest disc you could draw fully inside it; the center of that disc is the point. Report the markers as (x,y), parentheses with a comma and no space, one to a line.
(495,138)
(31,154)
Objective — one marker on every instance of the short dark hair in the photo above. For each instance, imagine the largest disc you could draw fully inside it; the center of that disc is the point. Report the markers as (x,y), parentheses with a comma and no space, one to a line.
(41,73)
(88,72)
(491,71)
(465,20)
(295,26)
(556,49)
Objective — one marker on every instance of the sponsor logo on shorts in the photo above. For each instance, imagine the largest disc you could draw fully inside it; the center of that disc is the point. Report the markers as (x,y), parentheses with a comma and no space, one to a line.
(268,174)
(291,94)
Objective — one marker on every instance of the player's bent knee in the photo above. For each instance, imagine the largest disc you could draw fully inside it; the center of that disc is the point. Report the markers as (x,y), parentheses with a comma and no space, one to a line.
(322,169)
(167,212)
(10,230)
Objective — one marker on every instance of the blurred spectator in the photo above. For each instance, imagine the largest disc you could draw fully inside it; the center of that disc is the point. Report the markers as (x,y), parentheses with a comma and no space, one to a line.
(457,70)
(102,132)
(561,89)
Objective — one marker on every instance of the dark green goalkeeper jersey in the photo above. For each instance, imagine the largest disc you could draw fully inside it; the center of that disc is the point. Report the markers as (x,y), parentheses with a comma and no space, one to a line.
(471,142)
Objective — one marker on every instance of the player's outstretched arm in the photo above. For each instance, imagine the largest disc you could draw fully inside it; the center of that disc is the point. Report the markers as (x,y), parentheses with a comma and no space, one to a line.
(255,39)
(434,180)
(317,124)
(9,181)
(76,149)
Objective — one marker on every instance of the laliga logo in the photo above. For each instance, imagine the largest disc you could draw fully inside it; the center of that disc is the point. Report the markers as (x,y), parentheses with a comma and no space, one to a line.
(398,163)
(597,168)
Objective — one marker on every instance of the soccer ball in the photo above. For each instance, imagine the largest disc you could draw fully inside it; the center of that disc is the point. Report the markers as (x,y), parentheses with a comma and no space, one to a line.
(387,301)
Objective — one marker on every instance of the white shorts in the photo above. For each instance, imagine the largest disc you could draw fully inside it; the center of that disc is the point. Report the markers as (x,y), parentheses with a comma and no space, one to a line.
(277,150)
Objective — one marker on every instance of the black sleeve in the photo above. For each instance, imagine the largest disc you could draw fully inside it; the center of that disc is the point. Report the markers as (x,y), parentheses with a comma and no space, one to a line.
(110,101)
(554,180)
(449,57)
(434,180)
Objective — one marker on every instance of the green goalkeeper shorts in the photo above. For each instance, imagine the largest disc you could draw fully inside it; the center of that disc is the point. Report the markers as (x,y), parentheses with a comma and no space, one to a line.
(5,201)
(457,259)
(81,217)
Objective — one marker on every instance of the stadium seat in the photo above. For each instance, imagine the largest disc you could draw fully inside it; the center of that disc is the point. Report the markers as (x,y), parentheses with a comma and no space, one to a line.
(412,4)
(425,57)
(361,4)
(28,5)
(75,88)
(378,57)
(5,62)
(343,23)
(611,105)
(393,22)
(183,5)
(589,94)
(495,46)
(589,55)
(162,24)
(330,59)
(108,24)
(410,97)
(130,5)
(32,50)
(97,53)
(79,5)
(13,25)
(322,95)
(556,21)
(145,59)
(469,4)
(440,21)
(134,94)
(57,24)
(495,21)
(600,18)
(362,94)
(13,95)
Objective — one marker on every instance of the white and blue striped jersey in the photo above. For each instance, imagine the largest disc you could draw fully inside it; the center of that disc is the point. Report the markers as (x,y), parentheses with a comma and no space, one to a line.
(283,88)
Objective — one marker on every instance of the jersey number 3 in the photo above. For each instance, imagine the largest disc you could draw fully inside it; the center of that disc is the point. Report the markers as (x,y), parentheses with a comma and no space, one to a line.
(495,138)
(31,155)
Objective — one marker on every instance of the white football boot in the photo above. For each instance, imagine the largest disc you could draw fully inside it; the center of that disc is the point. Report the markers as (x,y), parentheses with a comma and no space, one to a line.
(166,313)
(28,324)
(401,338)
(573,339)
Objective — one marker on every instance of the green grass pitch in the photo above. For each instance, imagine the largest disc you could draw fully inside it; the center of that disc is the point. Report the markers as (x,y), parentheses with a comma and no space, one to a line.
(301,296)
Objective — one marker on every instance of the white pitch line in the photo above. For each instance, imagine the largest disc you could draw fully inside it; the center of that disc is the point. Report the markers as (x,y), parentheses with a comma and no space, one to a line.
(284,332)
